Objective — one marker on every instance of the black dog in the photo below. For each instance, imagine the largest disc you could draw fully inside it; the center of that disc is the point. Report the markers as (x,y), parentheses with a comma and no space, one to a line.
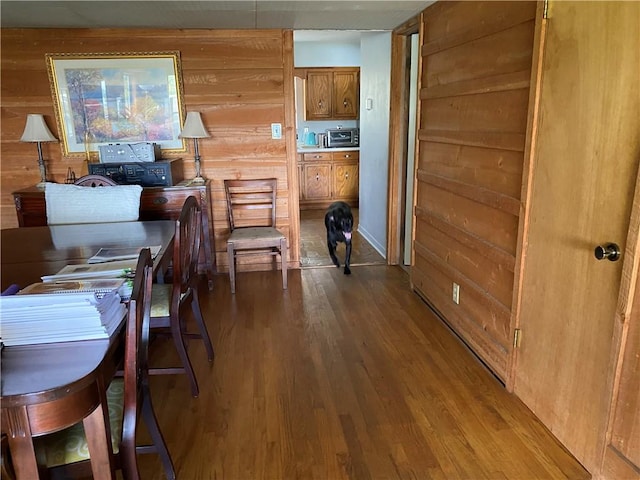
(339,223)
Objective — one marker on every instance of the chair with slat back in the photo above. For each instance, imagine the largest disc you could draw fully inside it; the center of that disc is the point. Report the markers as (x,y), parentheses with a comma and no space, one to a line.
(128,397)
(169,299)
(95,181)
(251,207)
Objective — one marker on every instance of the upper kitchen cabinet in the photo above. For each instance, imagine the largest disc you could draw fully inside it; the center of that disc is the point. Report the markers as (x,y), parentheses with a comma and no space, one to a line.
(332,93)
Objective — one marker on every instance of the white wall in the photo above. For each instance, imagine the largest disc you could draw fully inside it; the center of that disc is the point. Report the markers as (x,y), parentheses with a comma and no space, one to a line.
(375,84)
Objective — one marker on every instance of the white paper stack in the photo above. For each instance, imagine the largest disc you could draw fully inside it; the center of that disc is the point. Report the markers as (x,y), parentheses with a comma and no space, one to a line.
(84,271)
(59,317)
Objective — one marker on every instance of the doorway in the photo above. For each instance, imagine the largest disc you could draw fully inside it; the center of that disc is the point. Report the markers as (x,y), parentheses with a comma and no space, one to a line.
(313,243)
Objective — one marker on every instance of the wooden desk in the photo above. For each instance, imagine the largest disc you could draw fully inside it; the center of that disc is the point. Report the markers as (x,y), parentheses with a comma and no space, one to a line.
(156,203)
(49,387)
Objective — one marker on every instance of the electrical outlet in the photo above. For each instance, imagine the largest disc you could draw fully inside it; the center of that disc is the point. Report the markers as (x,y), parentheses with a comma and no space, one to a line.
(276,131)
(456,293)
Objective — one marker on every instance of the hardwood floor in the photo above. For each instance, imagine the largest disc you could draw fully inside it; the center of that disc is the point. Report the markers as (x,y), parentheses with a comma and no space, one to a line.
(313,243)
(341,377)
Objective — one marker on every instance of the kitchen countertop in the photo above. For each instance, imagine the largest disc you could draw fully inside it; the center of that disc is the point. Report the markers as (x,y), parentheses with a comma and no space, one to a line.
(309,149)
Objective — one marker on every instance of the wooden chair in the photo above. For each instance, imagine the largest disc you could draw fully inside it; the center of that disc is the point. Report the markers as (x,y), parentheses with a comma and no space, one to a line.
(250,232)
(95,181)
(128,397)
(169,299)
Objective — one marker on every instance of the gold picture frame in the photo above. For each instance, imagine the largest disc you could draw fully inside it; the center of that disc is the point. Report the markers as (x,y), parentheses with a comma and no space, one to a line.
(108,98)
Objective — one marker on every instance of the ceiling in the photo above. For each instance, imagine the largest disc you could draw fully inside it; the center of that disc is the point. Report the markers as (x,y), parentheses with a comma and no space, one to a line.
(214,14)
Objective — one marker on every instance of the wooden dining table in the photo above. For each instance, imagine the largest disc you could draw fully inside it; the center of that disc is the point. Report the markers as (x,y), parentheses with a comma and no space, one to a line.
(48,387)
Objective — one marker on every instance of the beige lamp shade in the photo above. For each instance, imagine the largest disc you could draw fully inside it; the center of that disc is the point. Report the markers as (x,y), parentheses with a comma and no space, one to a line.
(193,127)
(36,130)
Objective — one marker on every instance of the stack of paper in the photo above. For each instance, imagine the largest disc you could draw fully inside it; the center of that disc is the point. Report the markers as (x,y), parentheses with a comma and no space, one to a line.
(100,286)
(83,271)
(59,317)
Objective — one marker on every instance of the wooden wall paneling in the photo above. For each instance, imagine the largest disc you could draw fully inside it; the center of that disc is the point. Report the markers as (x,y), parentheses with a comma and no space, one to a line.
(240,81)
(456,23)
(474,96)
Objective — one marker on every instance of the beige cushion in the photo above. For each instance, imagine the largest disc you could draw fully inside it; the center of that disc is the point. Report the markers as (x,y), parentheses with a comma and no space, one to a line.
(70,445)
(69,204)
(160,299)
(250,234)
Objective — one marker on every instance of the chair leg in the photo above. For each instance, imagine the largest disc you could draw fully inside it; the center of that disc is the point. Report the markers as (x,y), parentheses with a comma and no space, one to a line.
(283,262)
(232,267)
(197,315)
(160,446)
(178,340)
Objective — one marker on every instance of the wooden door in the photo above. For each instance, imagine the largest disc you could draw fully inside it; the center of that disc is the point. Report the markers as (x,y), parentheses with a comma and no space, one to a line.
(318,95)
(345,94)
(584,166)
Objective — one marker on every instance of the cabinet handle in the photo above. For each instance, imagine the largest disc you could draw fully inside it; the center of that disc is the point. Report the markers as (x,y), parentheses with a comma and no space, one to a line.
(160,200)
(320,104)
(344,102)
(346,175)
(347,156)
(317,177)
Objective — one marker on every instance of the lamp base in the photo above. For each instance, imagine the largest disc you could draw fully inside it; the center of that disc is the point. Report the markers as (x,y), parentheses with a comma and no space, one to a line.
(197,181)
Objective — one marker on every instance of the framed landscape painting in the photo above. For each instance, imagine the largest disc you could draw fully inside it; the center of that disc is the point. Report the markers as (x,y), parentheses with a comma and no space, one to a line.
(117,98)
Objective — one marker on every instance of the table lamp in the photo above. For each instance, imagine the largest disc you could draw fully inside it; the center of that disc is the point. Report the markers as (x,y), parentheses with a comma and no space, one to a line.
(36,130)
(193,128)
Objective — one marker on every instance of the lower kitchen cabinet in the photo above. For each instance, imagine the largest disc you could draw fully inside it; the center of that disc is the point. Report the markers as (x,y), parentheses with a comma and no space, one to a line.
(326,177)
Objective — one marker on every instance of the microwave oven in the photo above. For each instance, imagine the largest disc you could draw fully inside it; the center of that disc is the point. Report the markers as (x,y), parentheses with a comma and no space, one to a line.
(342,137)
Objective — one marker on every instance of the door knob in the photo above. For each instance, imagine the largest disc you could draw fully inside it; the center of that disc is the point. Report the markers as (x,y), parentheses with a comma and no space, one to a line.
(610,251)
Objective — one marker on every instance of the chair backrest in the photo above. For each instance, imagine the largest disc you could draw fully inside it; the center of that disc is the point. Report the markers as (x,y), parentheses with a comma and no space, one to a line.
(186,247)
(136,368)
(95,181)
(75,204)
(251,203)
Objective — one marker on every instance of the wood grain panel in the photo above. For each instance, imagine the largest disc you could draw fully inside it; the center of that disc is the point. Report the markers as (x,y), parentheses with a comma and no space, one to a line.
(456,23)
(235,78)
(495,227)
(504,203)
(433,284)
(477,59)
(491,112)
(493,83)
(492,169)
(488,275)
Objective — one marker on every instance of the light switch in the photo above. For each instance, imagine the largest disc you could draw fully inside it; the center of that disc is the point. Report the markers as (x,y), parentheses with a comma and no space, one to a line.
(276,131)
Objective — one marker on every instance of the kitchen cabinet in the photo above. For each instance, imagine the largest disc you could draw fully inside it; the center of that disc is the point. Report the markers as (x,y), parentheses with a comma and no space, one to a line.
(326,177)
(332,93)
